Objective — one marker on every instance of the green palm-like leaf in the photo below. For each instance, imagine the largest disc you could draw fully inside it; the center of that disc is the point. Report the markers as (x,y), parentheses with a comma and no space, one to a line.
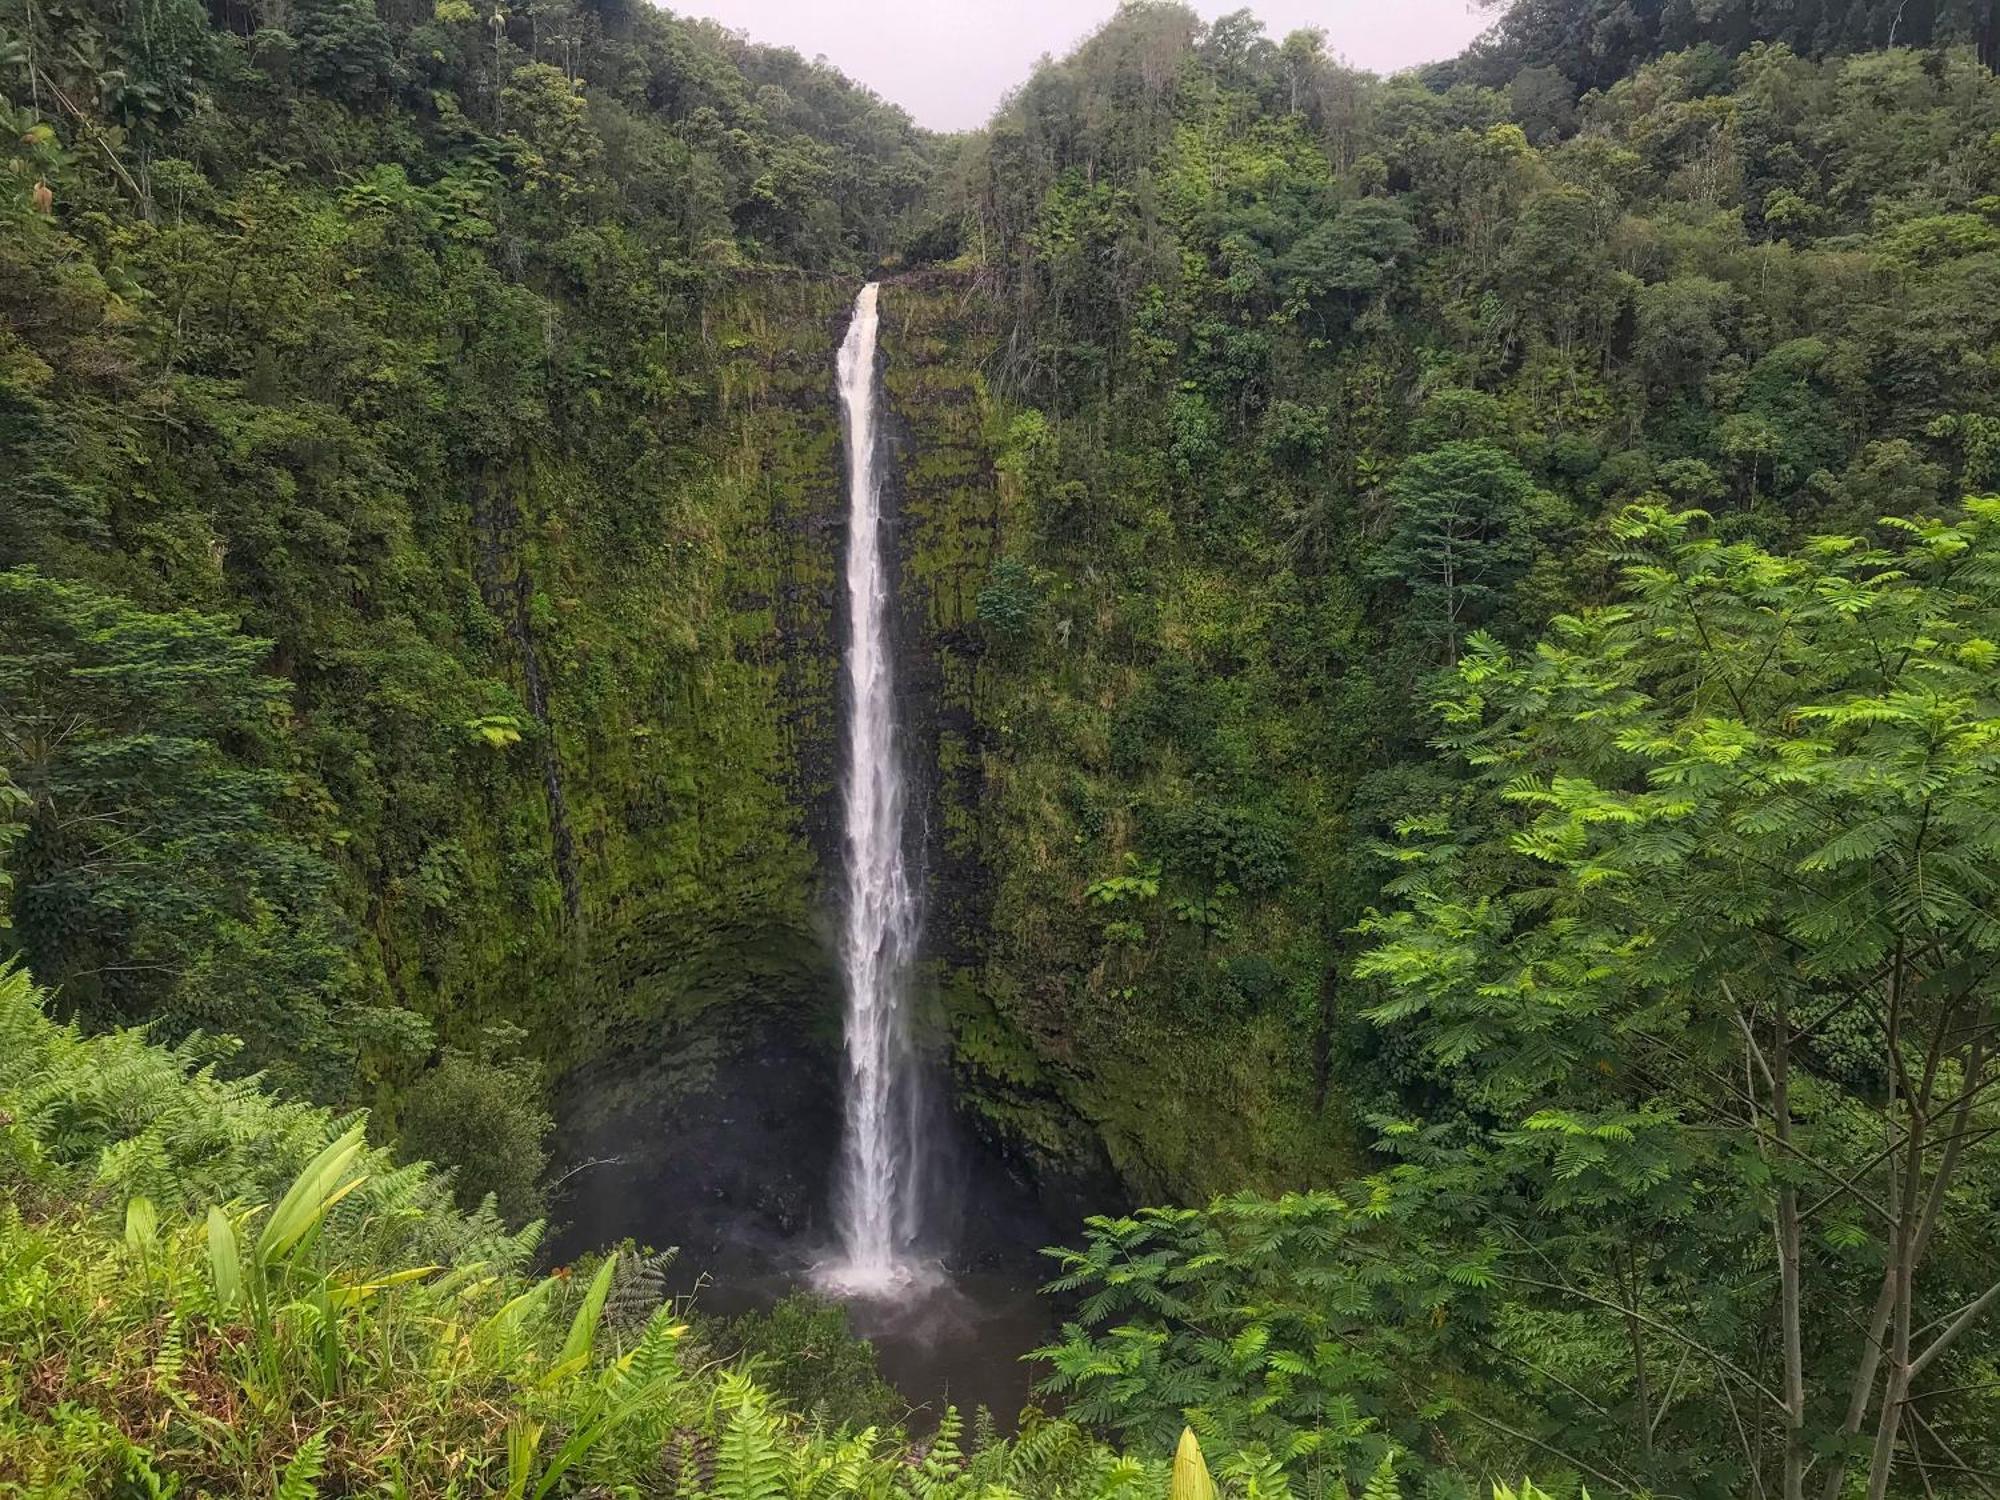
(224,1263)
(313,1193)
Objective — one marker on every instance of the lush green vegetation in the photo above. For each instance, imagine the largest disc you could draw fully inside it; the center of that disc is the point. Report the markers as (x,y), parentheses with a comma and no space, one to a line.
(206,1291)
(1690,990)
(203,1291)
(389,655)
(1315,387)
(1456,673)
(1302,376)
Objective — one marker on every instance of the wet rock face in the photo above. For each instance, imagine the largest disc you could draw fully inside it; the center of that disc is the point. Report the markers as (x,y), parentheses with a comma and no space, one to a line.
(722,1145)
(714,1085)
(953,512)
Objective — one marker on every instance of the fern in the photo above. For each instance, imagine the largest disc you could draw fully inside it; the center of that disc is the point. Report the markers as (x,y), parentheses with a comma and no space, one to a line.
(839,1469)
(171,1357)
(637,1289)
(1382,1483)
(1256,1474)
(299,1480)
(749,1459)
(652,1364)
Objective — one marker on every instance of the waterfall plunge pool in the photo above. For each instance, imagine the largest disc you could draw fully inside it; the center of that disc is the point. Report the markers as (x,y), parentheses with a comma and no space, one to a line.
(724,1143)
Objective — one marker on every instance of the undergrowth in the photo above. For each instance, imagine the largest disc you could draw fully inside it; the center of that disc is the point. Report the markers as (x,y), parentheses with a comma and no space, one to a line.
(207,1290)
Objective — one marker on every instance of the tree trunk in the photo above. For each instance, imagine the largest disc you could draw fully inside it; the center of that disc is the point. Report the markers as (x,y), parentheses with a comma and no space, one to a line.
(1790,1267)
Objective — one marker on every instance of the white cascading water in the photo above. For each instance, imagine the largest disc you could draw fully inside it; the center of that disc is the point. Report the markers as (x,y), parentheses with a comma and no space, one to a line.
(878,1191)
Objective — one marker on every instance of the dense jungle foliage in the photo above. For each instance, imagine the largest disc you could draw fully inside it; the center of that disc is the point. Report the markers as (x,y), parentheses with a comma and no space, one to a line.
(1456,661)
(211,1292)
(368,382)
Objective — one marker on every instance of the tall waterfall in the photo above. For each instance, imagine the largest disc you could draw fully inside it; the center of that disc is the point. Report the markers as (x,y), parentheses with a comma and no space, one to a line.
(878,1191)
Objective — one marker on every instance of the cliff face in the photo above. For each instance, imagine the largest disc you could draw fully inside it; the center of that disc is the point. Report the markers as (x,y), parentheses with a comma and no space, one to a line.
(701,955)
(431,414)
(697,1048)
(954,507)
(1062,998)
(683,707)
(492,451)
(545,579)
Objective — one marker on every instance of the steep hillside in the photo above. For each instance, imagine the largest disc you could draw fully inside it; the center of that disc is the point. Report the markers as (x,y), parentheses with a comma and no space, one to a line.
(417,435)
(1446,635)
(1293,377)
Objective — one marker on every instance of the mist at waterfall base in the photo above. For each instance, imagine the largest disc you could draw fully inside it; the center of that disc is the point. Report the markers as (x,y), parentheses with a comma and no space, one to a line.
(932,1246)
(727,1146)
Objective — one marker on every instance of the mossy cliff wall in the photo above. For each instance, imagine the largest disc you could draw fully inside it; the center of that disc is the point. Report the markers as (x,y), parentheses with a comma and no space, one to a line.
(1093,1051)
(708,860)
(686,709)
(703,762)
(697,1062)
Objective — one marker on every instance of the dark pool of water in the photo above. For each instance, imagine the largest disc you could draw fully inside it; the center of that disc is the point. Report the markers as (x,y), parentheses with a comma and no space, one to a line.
(734,1169)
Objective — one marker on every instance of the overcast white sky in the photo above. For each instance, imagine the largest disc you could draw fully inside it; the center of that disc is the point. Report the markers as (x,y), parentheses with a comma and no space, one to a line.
(948,61)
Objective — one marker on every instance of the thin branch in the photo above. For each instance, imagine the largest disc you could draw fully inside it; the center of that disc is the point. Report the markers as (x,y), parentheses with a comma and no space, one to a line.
(1952,1454)
(1720,1360)
(1673,1386)
(1966,1317)
(1550,1448)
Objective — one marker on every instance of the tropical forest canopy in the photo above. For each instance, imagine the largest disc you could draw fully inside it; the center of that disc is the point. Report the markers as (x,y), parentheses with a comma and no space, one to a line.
(1454,623)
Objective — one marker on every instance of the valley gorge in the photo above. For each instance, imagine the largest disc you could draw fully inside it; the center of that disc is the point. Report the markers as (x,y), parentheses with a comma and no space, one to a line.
(1264,783)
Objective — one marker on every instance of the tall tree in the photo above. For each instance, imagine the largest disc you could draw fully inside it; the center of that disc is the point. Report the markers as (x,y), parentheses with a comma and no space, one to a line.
(1729,968)
(159,874)
(1458,536)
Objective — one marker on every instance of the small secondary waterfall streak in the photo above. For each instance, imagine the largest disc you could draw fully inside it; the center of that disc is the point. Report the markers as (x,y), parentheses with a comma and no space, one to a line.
(878,1192)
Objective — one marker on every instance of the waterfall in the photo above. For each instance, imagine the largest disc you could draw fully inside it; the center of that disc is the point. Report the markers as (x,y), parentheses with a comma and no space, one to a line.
(878,1191)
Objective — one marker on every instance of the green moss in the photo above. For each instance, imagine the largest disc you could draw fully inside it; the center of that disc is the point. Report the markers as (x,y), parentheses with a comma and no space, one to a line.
(1066,1041)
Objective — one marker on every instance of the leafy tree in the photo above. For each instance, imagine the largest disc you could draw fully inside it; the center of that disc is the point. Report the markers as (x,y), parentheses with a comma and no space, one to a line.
(159,873)
(1459,534)
(480,1112)
(12,801)
(1682,329)
(1558,275)
(1723,984)
(1347,257)
(1287,1328)
(1009,600)
(345,50)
